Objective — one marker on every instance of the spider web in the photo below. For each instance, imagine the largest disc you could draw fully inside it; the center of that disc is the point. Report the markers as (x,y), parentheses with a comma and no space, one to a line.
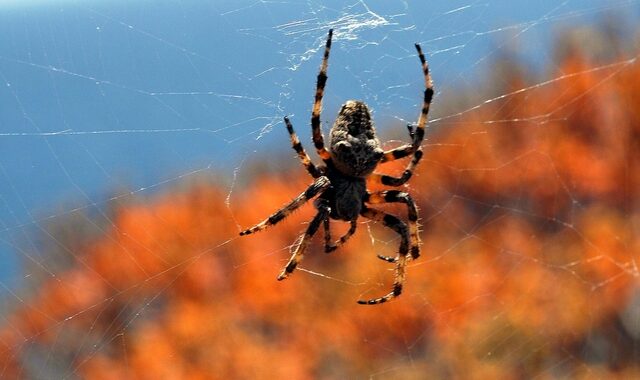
(136,140)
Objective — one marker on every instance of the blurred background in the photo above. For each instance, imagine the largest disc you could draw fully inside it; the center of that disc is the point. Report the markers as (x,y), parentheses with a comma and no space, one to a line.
(138,138)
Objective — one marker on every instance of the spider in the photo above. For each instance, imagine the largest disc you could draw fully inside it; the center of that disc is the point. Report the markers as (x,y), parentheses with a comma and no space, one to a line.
(339,185)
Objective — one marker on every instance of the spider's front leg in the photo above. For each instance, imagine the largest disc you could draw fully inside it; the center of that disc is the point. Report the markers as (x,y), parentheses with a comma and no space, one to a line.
(397,153)
(426,100)
(298,251)
(388,180)
(318,139)
(401,151)
(302,155)
(399,227)
(418,135)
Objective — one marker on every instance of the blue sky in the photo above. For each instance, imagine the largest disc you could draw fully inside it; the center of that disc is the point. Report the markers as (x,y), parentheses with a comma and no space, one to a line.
(99,96)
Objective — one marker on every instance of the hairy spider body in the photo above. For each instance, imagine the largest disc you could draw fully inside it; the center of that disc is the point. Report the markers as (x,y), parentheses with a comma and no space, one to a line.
(340,184)
(345,196)
(354,148)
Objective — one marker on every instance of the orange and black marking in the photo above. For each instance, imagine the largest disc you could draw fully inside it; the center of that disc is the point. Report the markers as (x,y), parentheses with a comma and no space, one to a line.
(388,180)
(401,151)
(397,153)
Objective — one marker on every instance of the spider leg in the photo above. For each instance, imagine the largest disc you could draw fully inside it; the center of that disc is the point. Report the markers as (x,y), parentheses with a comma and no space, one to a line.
(398,181)
(297,146)
(332,246)
(411,133)
(394,196)
(318,140)
(316,187)
(418,135)
(401,151)
(298,252)
(426,102)
(399,227)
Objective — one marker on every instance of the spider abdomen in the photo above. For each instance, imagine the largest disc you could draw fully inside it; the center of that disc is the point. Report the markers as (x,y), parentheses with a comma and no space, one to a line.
(355,149)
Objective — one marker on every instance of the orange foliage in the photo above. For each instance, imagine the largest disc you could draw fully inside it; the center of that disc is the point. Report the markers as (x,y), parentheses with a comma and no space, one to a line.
(529,256)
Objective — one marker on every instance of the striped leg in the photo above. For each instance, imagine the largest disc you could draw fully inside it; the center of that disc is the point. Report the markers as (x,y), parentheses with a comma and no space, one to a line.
(330,246)
(394,196)
(298,252)
(318,140)
(418,136)
(398,226)
(316,188)
(406,175)
(297,146)
(401,151)
(426,102)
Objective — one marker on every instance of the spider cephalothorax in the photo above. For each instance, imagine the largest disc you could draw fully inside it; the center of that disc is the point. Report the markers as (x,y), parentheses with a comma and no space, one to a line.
(340,184)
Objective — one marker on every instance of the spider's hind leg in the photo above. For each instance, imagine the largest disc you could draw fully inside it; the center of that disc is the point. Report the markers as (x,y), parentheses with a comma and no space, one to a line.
(300,248)
(399,227)
(395,196)
(330,246)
